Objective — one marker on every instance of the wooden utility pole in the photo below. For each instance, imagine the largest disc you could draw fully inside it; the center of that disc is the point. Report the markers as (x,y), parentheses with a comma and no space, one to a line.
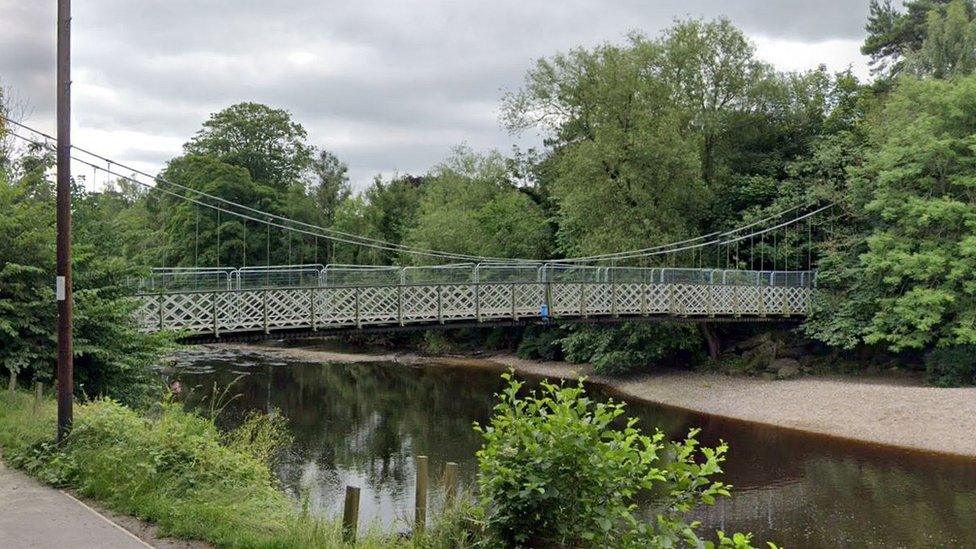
(63,281)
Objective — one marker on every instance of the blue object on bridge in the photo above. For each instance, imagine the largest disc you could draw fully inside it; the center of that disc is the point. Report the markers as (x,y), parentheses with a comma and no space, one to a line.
(544,311)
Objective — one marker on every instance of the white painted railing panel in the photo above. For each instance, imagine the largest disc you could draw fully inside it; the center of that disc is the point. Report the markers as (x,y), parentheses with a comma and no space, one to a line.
(224,312)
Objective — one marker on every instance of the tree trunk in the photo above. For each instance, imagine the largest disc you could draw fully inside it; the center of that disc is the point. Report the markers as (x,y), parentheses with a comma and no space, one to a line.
(714,345)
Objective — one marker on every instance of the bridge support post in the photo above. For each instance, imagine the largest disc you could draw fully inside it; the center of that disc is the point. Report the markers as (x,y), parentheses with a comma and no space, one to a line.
(710,301)
(159,303)
(672,302)
(400,304)
(549,298)
(582,303)
(440,304)
(514,313)
(311,309)
(264,310)
(477,301)
(736,311)
(762,301)
(613,299)
(359,322)
(213,311)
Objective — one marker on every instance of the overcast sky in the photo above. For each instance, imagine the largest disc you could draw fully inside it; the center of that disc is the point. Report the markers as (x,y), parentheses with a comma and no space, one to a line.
(387,85)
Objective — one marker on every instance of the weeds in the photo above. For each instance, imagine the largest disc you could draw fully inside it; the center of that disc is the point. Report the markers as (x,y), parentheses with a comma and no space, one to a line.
(176,469)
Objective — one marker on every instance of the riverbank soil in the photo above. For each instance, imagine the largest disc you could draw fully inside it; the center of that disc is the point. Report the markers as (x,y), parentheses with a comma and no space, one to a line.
(883,410)
(37,516)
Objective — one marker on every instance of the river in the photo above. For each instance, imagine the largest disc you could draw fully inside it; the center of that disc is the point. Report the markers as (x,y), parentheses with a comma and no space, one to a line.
(361,424)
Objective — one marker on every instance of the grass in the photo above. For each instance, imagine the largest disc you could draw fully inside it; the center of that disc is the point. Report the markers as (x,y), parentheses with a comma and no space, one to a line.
(176,469)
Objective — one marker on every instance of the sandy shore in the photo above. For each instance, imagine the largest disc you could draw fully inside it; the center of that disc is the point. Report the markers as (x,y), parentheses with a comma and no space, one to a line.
(879,410)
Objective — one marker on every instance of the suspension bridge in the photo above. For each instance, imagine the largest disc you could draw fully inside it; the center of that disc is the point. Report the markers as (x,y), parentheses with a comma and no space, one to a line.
(760,270)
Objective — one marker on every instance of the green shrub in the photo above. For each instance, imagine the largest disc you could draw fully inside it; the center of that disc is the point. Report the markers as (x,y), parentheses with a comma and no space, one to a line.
(951,366)
(632,347)
(555,472)
(541,343)
(171,467)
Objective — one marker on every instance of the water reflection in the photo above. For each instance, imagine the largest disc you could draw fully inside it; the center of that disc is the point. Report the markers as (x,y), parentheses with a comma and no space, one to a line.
(362,424)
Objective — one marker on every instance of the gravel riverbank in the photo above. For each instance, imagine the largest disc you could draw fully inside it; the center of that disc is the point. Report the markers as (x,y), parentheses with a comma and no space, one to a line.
(888,411)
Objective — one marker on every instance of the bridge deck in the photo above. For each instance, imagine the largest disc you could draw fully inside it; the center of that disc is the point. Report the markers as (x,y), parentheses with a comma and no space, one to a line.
(270,309)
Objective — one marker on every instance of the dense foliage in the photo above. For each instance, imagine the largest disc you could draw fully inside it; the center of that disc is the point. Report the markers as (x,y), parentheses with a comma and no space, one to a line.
(646,140)
(178,470)
(558,469)
(111,356)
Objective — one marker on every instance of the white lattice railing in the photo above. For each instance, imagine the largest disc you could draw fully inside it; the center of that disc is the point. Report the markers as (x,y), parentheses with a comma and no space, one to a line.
(265,310)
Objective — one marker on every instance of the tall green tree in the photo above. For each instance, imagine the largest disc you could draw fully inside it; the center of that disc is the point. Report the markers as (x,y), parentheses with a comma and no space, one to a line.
(949,47)
(469,206)
(906,279)
(712,72)
(894,36)
(616,139)
(329,184)
(265,141)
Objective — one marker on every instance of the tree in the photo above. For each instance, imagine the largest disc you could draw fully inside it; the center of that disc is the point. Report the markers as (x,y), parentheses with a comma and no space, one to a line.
(111,356)
(263,140)
(200,236)
(330,184)
(469,206)
(894,35)
(949,47)
(712,72)
(905,280)
(616,140)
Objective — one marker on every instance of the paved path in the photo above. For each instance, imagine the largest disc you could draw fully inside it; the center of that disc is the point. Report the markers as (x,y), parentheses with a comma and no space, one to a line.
(36,516)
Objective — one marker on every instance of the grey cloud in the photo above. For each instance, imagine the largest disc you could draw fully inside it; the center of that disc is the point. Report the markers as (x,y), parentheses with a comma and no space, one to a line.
(387,85)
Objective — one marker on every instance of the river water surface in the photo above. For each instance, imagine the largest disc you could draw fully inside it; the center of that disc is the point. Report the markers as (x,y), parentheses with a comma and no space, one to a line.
(362,424)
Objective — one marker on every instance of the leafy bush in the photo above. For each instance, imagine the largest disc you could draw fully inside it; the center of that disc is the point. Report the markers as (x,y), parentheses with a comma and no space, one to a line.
(111,356)
(631,347)
(555,472)
(951,366)
(541,344)
(173,468)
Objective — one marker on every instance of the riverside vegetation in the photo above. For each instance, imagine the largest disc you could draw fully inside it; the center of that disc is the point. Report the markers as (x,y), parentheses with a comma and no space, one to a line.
(554,470)
(690,121)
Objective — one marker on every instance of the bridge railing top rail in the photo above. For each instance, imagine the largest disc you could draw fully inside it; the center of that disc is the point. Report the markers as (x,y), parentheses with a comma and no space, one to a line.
(335,275)
(165,291)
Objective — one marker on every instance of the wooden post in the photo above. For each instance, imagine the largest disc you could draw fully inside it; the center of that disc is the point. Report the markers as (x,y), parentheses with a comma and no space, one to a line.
(350,514)
(38,395)
(450,482)
(66,376)
(420,501)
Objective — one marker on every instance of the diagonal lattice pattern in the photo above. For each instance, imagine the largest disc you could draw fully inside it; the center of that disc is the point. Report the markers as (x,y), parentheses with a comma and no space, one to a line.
(229,311)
